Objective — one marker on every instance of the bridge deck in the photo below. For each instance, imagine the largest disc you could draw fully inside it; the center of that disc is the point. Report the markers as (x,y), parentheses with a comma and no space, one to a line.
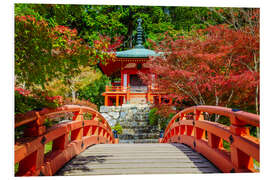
(109,159)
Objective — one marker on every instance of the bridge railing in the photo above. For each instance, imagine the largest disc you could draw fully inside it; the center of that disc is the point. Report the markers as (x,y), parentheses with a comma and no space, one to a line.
(68,139)
(206,137)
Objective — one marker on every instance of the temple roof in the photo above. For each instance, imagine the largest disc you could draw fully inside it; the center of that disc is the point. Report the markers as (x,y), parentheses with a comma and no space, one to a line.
(136,53)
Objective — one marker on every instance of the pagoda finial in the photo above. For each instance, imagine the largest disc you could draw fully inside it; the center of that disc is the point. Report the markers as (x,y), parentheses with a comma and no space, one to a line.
(139,39)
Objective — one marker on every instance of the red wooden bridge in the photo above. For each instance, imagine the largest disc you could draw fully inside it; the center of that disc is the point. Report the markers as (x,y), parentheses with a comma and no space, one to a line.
(86,145)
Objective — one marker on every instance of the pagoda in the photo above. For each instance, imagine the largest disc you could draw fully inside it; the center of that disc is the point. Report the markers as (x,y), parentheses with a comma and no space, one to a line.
(126,66)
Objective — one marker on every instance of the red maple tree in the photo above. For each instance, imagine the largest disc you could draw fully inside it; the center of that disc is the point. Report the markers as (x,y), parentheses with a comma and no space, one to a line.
(215,66)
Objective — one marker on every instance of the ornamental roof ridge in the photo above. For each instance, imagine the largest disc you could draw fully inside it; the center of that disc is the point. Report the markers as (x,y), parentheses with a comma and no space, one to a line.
(139,51)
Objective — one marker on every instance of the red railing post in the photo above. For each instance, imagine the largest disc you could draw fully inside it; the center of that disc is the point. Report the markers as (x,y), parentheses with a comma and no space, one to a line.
(31,164)
(78,133)
(182,127)
(240,160)
(36,128)
(199,133)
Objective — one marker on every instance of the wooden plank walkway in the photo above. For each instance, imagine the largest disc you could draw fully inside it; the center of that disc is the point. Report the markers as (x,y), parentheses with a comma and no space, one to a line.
(112,159)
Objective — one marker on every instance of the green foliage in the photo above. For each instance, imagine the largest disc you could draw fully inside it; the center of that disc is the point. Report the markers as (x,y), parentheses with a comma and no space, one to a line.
(45,50)
(48,147)
(49,123)
(16,168)
(226,145)
(156,119)
(153,117)
(93,92)
(224,120)
(24,103)
(94,20)
(256,165)
(118,128)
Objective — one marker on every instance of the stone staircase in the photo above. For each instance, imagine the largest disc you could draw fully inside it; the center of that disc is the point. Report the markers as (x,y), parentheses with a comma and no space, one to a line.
(134,120)
(136,128)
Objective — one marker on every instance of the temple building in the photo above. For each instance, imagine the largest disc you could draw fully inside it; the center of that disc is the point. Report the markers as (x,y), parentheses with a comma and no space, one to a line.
(131,89)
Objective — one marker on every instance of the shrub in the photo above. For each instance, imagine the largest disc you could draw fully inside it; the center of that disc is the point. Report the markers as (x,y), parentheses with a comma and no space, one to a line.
(93,92)
(153,117)
(26,101)
(157,119)
(118,128)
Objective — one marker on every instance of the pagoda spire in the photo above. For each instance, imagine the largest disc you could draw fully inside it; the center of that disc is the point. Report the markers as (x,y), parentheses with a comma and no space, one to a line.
(139,40)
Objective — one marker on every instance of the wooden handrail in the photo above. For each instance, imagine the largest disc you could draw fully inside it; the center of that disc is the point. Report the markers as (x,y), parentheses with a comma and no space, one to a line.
(69,138)
(243,147)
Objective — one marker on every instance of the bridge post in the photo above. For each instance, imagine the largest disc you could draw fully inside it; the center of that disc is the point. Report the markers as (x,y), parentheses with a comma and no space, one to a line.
(199,133)
(240,160)
(32,163)
(182,128)
(78,133)
(36,128)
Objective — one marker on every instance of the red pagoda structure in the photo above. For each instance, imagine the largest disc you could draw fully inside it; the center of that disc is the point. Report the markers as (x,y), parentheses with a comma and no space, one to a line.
(127,65)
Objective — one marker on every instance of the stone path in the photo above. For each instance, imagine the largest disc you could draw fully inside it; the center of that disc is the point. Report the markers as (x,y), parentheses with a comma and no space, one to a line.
(112,159)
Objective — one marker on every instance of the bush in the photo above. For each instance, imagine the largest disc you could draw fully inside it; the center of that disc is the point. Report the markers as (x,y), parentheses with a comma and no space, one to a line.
(156,119)
(153,117)
(26,101)
(118,128)
(93,92)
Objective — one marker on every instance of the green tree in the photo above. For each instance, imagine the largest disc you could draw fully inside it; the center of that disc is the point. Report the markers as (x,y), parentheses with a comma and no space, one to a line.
(93,91)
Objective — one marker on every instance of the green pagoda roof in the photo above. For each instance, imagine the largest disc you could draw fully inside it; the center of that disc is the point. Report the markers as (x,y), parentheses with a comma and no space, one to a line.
(139,51)
(136,53)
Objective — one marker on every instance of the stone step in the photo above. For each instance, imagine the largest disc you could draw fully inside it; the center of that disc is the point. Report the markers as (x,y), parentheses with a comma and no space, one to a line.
(135,124)
(132,141)
(139,127)
(140,136)
(136,131)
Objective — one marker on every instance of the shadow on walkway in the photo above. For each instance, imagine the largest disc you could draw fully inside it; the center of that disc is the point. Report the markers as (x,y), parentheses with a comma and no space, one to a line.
(202,163)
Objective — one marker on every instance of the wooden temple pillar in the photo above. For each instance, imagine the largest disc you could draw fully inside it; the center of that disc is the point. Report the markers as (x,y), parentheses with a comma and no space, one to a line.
(106,100)
(170,101)
(128,95)
(117,100)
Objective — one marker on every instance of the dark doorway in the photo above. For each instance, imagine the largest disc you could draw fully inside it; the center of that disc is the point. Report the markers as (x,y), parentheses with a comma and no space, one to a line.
(135,80)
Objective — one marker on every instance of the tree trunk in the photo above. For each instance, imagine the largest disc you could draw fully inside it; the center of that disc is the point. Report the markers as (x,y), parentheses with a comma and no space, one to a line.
(73,95)
(216,115)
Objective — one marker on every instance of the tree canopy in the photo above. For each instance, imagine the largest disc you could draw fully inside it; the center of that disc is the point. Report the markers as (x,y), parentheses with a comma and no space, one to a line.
(218,65)
(212,54)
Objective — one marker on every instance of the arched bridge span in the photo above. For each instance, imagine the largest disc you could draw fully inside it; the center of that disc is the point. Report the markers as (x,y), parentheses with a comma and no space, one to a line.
(68,139)
(89,127)
(190,127)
